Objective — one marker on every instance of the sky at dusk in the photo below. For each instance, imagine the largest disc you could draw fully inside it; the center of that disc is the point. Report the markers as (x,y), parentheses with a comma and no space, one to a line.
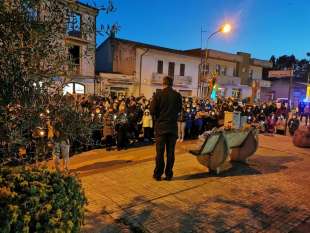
(260,27)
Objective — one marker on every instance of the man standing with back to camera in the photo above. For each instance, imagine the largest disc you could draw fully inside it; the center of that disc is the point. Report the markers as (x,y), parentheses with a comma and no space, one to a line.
(165,107)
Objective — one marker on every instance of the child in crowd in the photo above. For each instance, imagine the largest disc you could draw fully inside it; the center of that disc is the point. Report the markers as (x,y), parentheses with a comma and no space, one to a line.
(147,125)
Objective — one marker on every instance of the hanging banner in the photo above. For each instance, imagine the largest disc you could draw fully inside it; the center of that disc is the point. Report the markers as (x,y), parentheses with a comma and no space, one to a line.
(280,73)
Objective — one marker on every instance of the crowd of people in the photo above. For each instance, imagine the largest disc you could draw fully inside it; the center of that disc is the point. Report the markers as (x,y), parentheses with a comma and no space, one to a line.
(126,121)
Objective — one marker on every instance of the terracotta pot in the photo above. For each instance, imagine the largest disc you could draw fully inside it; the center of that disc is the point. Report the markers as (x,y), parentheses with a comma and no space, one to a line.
(301,137)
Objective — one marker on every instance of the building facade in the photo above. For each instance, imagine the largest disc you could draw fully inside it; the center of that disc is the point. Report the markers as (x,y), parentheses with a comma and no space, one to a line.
(237,75)
(138,69)
(81,42)
(132,68)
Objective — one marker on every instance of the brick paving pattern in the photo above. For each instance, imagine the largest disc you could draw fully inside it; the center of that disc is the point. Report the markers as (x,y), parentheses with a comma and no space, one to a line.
(270,194)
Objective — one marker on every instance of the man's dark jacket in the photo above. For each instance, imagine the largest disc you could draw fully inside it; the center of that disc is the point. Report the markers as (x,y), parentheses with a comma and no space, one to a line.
(165,107)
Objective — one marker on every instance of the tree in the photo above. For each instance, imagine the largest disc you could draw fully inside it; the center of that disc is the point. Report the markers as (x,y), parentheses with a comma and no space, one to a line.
(33,53)
(273,60)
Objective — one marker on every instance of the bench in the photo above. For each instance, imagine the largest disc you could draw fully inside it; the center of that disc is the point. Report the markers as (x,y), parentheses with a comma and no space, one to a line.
(242,143)
(213,152)
(238,144)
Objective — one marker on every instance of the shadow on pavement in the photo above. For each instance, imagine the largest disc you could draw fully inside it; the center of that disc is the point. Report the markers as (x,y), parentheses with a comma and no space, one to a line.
(238,169)
(215,214)
(101,165)
(271,164)
(256,166)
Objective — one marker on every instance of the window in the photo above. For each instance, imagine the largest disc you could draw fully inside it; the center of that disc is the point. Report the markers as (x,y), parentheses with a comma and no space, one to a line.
(74,59)
(235,72)
(206,68)
(74,24)
(251,73)
(182,69)
(171,69)
(160,67)
(74,88)
(224,70)
(218,68)
(236,93)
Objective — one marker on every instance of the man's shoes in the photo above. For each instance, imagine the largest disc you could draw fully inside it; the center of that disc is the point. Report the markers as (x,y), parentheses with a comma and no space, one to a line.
(156,178)
(168,178)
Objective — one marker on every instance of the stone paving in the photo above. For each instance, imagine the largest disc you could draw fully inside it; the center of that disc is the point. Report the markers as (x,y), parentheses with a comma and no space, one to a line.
(270,194)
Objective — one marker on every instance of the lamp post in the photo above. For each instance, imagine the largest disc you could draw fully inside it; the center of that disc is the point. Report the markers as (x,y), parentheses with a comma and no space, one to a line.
(226,28)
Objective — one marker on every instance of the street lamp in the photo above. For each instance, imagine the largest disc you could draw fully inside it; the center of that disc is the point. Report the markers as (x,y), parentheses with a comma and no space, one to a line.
(225,28)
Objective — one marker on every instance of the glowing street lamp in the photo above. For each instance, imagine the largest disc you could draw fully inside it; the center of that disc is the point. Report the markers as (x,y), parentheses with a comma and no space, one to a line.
(225,28)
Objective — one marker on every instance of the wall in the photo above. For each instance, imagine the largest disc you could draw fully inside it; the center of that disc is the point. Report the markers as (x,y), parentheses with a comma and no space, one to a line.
(257,72)
(104,57)
(87,44)
(124,57)
(243,68)
(280,88)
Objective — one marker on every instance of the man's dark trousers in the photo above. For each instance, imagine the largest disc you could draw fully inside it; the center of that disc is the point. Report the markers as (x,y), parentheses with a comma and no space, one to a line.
(165,141)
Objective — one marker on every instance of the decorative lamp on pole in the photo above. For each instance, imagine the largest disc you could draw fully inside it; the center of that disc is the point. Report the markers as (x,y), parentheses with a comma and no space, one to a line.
(225,28)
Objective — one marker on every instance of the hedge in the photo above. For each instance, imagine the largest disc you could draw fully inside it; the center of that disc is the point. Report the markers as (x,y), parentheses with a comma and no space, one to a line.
(38,200)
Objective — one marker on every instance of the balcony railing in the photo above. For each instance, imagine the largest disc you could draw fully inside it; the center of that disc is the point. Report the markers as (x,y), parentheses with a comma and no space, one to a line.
(178,80)
(228,80)
(75,69)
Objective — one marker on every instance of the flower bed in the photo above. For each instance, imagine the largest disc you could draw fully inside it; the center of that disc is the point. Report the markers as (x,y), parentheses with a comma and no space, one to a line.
(38,200)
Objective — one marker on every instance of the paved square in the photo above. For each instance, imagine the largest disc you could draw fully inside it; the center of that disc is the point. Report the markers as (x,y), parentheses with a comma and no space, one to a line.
(270,194)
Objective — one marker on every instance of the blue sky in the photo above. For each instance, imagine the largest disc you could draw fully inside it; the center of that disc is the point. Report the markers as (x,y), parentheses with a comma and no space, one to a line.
(260,27)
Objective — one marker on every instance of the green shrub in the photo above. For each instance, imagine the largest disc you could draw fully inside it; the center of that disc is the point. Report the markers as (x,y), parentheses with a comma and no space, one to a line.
(38,200)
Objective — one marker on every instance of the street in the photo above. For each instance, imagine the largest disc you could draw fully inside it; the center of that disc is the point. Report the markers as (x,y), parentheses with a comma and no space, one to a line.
(268,195)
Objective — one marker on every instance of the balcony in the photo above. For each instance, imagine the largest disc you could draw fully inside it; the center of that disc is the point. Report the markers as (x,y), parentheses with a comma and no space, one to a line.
(75,69)
(183,80)
(178,80)
(228,80)
(110,78)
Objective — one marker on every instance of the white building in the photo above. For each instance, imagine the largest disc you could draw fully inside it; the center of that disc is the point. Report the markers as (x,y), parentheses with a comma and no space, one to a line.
(133,68)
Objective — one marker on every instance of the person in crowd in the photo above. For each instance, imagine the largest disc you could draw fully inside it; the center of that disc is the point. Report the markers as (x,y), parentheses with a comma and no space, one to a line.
(188,122)
(293,124)
(198,122)
(121,127)
(165,107)
(61,147)
(306,113)
(181,125)
(280,125)
(262,121)
(108,128)
(147,125)
(271,122)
